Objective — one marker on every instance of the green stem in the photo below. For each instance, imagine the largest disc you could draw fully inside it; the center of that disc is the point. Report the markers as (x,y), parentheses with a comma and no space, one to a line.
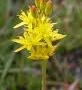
(44,62)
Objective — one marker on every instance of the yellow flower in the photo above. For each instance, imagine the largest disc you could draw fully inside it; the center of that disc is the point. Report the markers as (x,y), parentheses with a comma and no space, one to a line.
(24,41)
(45,33)
(41,52)
(38,36)
(27,41)
(27,20)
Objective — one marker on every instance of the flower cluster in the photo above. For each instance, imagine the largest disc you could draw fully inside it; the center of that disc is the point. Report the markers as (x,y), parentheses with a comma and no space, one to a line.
(39,34)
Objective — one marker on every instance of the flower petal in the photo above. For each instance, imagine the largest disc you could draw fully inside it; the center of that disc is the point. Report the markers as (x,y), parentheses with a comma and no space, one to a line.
(19,49)
(18,25)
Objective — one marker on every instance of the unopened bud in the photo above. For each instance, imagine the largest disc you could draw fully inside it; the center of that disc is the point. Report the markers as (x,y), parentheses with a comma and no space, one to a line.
(37,3)
(42,5)
(49,8)
(33,10)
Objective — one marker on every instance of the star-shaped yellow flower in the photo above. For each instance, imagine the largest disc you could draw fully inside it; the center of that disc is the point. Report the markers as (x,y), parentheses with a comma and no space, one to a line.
(38,35)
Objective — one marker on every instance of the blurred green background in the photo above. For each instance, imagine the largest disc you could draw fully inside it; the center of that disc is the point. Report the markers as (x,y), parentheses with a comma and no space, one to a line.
(18,73)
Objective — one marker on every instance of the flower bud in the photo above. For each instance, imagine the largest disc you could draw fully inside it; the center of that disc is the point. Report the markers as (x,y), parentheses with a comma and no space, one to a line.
(37,3)
(42,5)
(33,11)
(49,8)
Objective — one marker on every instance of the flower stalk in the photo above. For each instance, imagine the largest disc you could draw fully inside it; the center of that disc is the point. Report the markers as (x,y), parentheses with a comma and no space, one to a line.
(38,34)
(44,65)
